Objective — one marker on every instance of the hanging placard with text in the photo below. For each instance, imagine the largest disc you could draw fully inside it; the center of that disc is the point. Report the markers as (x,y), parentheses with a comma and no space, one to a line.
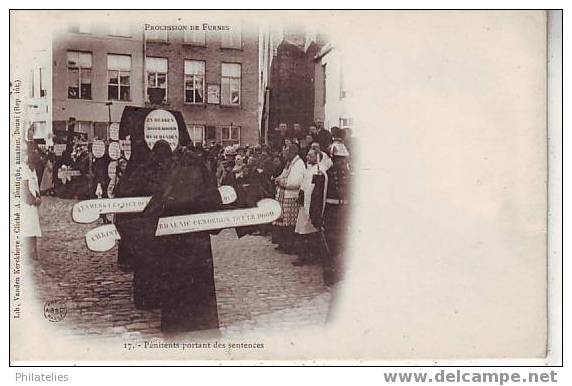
(161,125)
(114,150)
(98,148)
(114,131)
(112,169)
(59,148)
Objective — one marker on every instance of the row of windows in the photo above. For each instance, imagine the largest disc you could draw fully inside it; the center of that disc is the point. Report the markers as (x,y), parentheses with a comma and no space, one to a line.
(79,70)
(231,38)
(199,134)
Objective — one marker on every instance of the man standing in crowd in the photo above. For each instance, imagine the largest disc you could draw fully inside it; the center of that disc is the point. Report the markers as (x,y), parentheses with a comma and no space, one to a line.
(101,174)
(310,216)
(282,133)
(298,133)
(304,147)
(324,136)
(326,162)
(313,132)
(287,190)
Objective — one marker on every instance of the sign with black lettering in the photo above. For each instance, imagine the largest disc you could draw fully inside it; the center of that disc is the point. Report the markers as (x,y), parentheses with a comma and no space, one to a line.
(161,125)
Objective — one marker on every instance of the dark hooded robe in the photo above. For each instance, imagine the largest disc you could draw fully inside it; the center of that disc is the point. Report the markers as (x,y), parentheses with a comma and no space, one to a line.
(131,125)
(137,230)
(188,299)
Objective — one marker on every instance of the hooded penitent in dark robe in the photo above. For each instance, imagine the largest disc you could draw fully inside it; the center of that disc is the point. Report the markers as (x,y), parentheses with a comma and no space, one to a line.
(137,231)
(188,299)
(132,126)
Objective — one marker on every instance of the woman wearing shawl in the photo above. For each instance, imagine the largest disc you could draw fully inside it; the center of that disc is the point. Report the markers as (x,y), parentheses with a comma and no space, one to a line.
(287,190)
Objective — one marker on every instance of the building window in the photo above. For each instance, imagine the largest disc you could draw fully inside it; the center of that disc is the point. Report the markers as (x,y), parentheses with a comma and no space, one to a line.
(232,38)
(230,84)
(85,128)
(118,77)
(211,133)
(197,134)
(120,30)
(156,36)
(40,129)
(346,122)
(230,135)
(156,75)
(344,92)
(38,87)
(79,75)
(194,81)
(194,37)
(100,130)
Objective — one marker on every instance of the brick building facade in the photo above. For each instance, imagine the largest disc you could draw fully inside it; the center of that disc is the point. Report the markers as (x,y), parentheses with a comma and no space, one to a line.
(292,81)
(212,77)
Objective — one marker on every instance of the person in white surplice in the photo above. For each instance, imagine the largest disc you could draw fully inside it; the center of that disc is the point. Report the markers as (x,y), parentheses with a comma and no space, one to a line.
(311,251)
(30,200)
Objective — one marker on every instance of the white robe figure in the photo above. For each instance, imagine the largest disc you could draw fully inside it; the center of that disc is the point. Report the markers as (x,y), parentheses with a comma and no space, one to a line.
(30,216)
(303,223)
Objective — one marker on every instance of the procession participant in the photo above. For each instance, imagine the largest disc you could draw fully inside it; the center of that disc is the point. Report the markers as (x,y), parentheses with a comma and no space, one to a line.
(326,162)
(298,133)
(313,196)
(133,125)
(239,169)
(266,165)
(47,184)
(101,174)
(249,193)
(137,230)
(338,147)
(280,134)
(336,216)
(226,160)
(304,148)
(31,201)
(287,189)
(113,186)
(188,300)
(313,132)
(228,177)
(83,186)
(324,136)
(348,139)
(287,142)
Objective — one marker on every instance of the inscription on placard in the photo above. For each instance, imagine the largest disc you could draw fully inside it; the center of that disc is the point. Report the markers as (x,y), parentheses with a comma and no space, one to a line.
(114,151)
(114,131)
(112,169)
(59,148)
(161,125)
(98,148)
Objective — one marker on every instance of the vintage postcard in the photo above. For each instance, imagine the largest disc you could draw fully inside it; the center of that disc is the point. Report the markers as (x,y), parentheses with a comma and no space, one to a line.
(317,187)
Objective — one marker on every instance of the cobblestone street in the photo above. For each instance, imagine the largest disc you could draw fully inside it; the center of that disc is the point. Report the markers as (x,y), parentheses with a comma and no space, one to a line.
(256,286)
